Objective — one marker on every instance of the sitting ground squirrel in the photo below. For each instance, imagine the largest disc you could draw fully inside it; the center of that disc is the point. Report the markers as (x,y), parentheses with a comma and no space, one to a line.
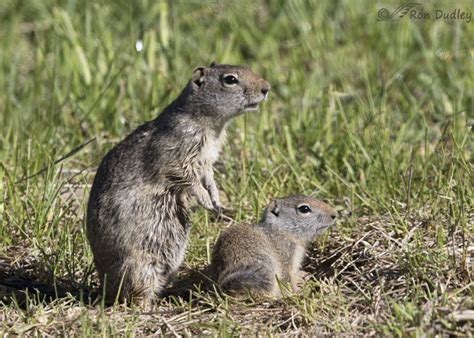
(257,257)
(137,215)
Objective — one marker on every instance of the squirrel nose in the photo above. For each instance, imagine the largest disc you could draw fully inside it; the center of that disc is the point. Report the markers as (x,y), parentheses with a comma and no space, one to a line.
(334,215)
(265,88)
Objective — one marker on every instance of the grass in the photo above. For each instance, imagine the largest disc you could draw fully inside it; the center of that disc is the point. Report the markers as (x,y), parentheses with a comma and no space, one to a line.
(374,117)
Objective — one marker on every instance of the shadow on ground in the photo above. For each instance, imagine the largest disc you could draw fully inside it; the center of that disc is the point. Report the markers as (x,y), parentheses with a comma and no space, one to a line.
(19,285)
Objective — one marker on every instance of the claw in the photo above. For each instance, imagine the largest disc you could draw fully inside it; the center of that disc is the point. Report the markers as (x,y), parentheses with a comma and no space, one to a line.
(217,208)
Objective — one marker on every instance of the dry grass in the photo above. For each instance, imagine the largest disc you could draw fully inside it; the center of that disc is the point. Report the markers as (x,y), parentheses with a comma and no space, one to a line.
(354,283)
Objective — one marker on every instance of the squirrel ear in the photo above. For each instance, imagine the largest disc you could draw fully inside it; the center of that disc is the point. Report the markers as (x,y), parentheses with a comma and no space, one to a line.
(199,74)
(213,64)
(270,212)
(273,208)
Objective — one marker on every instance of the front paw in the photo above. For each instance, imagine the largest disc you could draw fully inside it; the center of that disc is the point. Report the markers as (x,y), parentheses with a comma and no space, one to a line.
(203,197)
(206,204)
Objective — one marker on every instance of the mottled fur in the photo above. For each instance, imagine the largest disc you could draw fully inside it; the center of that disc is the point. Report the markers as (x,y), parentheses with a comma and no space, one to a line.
(257,257)
(137,216)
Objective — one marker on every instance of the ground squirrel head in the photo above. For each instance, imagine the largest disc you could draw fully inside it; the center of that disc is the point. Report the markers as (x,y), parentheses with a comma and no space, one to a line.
(300,216)
(224,91)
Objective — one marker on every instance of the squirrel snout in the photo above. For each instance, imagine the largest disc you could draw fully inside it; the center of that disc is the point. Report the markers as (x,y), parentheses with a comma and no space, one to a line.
(265,88)
(333,214)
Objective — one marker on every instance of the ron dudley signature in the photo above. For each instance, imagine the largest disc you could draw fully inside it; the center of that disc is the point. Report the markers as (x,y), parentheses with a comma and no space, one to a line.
(414,11)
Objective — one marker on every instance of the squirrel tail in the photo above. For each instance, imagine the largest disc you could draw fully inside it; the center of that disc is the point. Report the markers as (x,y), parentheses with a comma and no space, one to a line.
(257,279)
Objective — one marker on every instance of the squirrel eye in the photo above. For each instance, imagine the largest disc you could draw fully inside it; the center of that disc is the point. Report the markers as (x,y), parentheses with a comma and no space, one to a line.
(304,209)
(230,80)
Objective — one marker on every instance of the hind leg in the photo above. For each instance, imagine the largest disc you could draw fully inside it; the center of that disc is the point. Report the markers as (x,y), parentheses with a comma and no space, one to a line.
(135,283)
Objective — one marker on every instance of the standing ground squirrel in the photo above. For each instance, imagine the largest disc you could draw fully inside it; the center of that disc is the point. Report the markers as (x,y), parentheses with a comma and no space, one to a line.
(256,257)
(137,215)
